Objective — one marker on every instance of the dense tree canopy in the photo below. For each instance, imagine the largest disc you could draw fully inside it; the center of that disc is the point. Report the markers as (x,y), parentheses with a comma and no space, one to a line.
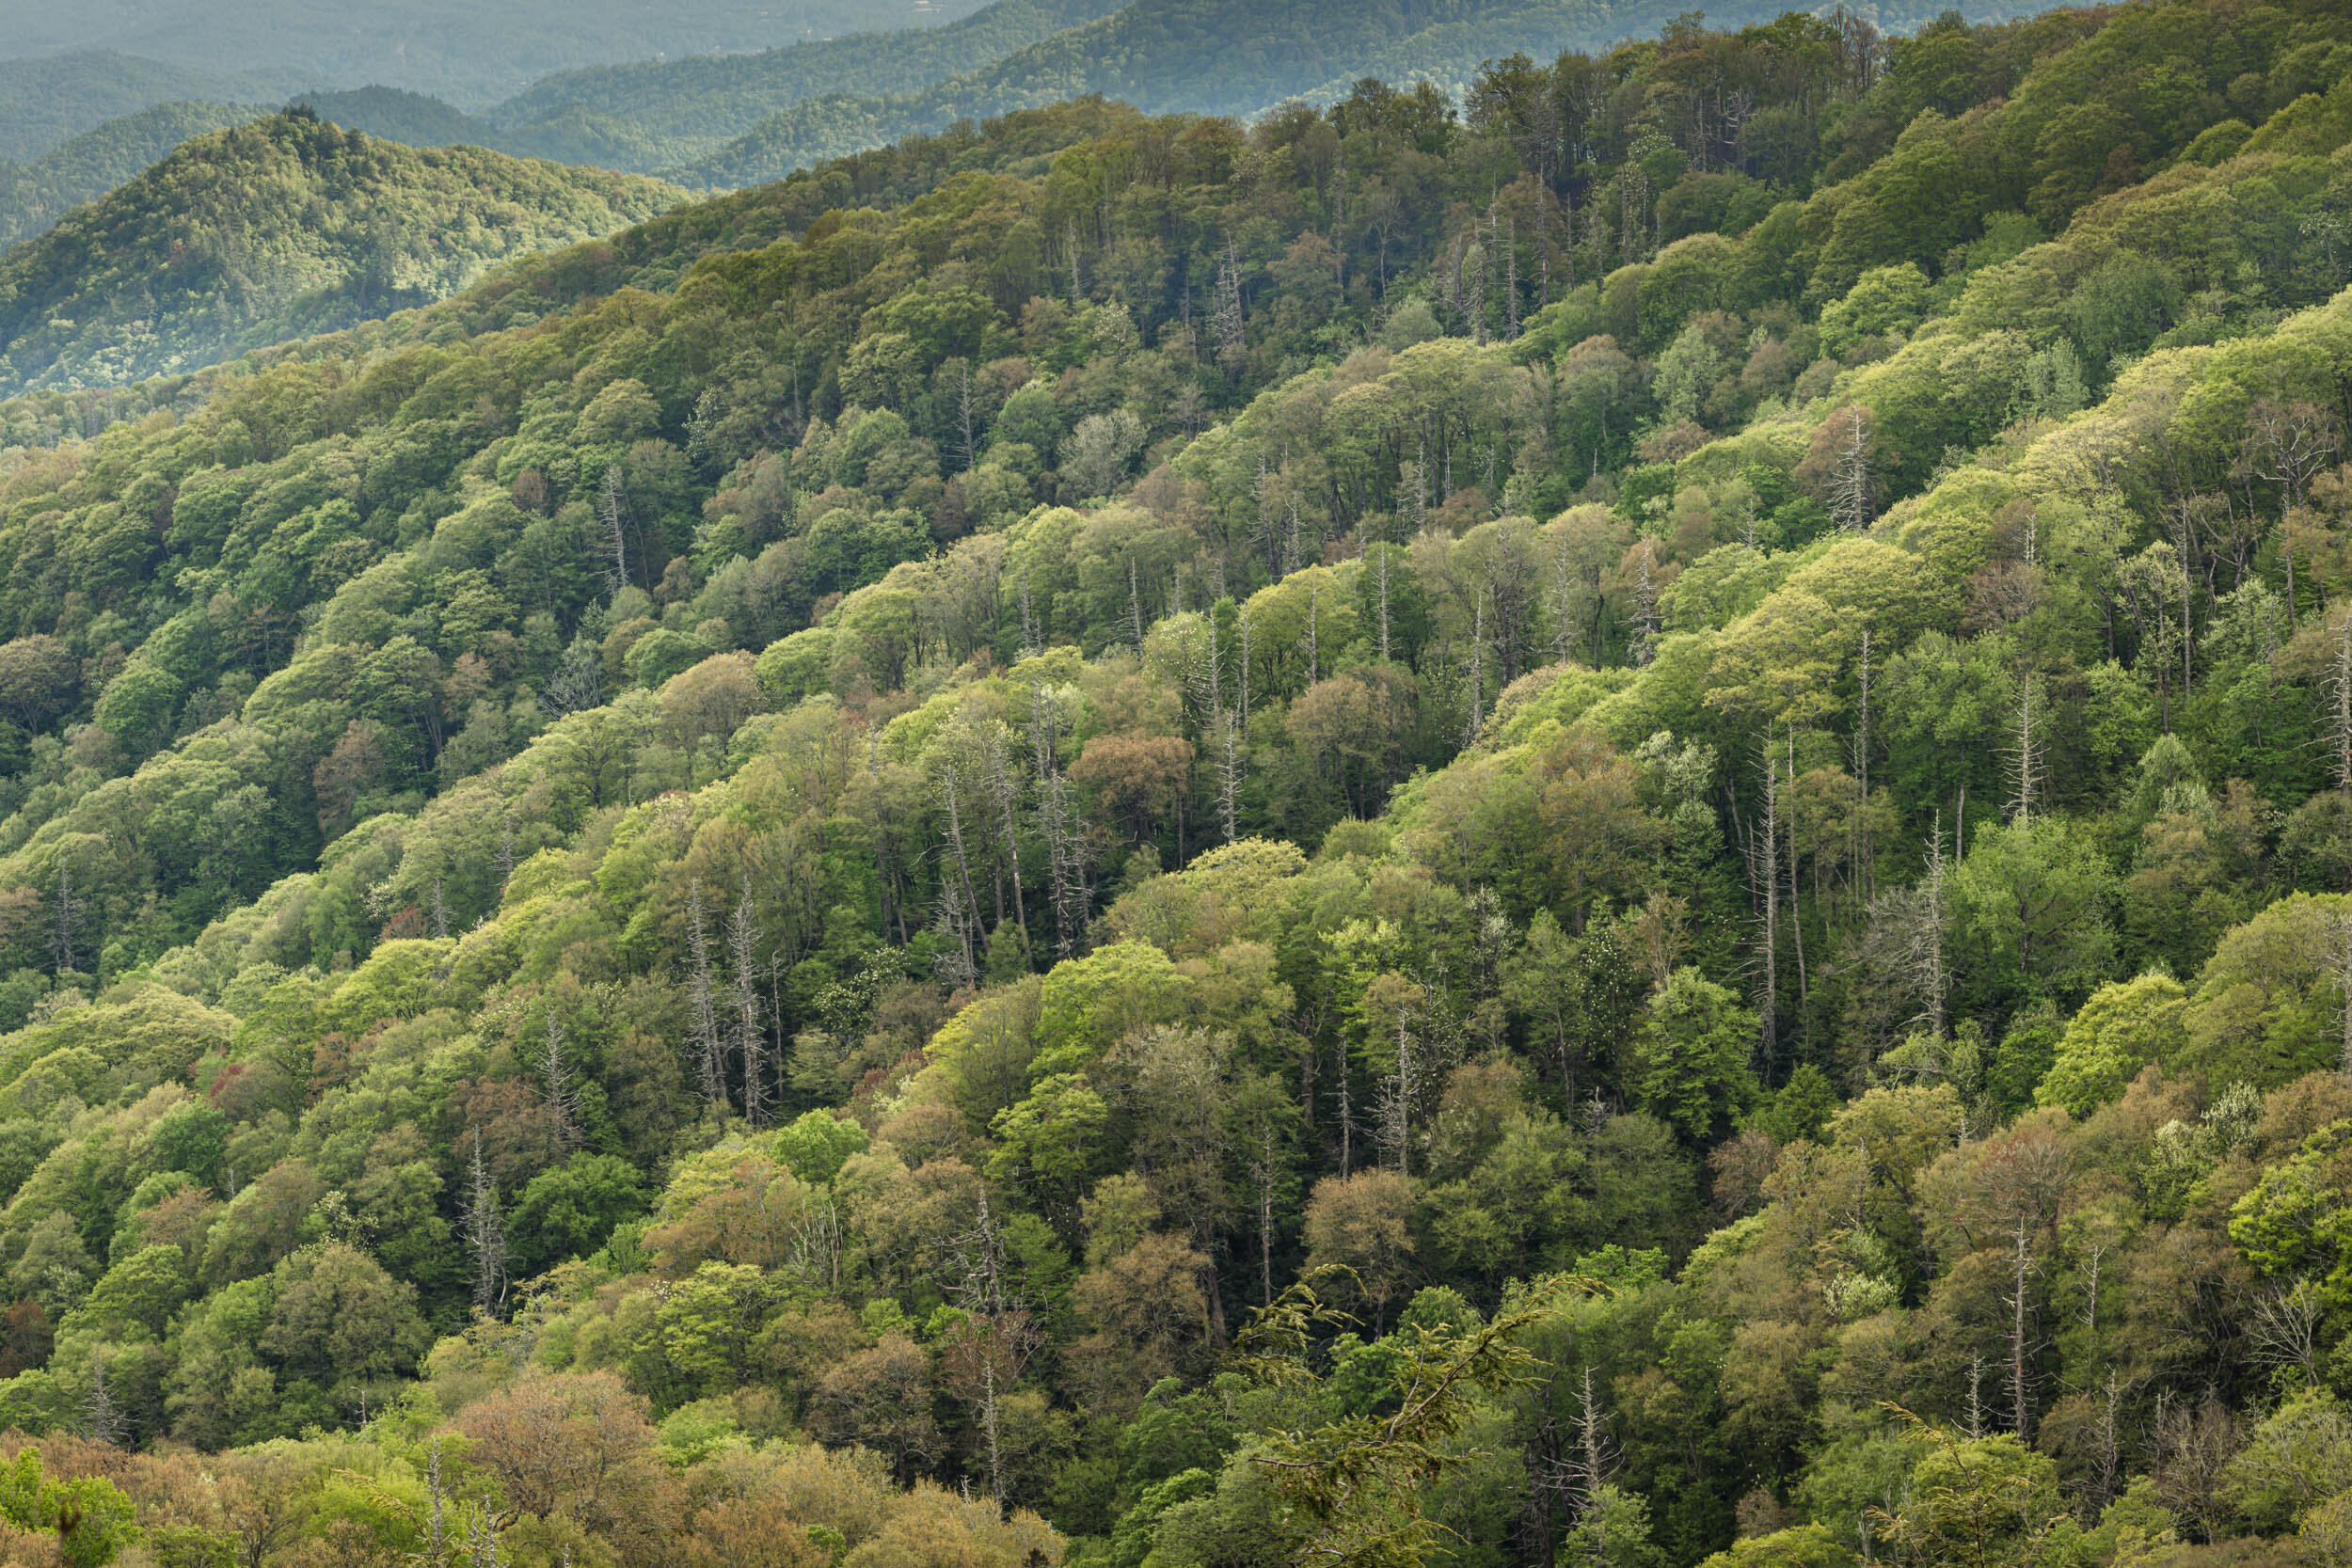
(1608,826)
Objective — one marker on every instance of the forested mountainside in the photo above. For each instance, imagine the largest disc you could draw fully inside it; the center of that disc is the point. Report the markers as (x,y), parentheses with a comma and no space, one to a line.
(1608,830)
(274,230)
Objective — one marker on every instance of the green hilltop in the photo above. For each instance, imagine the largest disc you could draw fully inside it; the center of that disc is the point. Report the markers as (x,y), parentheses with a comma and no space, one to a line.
(279,228)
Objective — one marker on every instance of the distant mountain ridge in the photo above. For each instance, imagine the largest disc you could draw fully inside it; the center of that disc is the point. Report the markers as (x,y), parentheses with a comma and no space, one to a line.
(1235,58)
(1203,57)
(471,54)
(279,228)
(47,102)
(734,121)
(710,99)
(640,117)
(716,121)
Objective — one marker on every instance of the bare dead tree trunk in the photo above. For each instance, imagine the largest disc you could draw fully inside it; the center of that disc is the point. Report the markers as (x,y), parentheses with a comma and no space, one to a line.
(1796,916)
(703,1014)
(1767,859)
(562,1092)
(1865,853)
(2021,1272)
(750,1036)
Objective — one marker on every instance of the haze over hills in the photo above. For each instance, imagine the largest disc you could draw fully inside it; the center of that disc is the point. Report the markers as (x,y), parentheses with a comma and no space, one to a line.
(471,54)
(1209,56)
(691,106)
(280,228)
(736,118)
(47,102)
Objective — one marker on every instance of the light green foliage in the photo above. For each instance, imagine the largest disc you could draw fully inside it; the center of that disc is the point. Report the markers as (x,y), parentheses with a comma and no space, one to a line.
(2123,1028)
(2296,1224)
(1884,302)
(1053,1138)
(2263,1009)
(1614,1530)
(1088,1005)
(2299,1458)
(816,1144)
(1799,1546)
(92,1518)
(1986,1500)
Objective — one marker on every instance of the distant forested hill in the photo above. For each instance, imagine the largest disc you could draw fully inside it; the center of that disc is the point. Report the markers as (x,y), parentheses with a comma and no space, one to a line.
(277,229)
(398,114)
(46,102)
(33,194)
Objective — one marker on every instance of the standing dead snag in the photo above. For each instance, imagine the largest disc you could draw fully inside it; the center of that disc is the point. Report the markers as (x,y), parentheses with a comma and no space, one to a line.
(1864,851)
(1592,1458)
(1853,499)
(1477,671)
(2336,959)
(1065,852)
(562,1088)
(2024,757)
(964,925)
(485,1233)
(611,508)
(707,1057)
(1764,875)
(750,1037)
(983,1358)
(2340,699)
